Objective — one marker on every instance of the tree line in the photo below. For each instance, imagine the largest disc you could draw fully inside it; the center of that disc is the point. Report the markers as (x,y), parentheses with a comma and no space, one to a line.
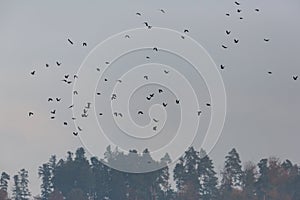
(78,178)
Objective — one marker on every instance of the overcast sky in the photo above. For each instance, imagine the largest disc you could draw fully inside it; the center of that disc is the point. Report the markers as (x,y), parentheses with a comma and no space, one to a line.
(262,110)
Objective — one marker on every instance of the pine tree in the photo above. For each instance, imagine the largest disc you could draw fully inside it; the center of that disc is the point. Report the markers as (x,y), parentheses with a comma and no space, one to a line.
(16,192)
(208,179)
(45,174)
(25,193)
(232,174)
(4,181)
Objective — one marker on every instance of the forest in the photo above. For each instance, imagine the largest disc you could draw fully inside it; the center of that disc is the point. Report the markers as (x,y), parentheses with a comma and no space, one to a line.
(78,177)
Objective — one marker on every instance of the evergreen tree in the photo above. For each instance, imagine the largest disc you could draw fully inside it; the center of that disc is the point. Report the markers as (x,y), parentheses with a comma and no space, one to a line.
(208,179)
(232,174)
(186,175)
(262,184)
(16,192)
(45,174)
(24,190)
(4,181)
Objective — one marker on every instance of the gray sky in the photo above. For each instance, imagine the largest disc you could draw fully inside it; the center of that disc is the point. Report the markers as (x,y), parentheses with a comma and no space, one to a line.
(262,110)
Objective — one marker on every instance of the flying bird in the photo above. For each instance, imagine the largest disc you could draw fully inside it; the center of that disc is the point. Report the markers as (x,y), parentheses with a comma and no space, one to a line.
(161,10)
(101,114)
(165,104)
(98,69)
(160,90)
(67,76)
(30,114)
(155,128)
(147,57)
(208,104)
(75,133)
(166,71)
(65,123)
(58,99)
(75,76)
(115,113)
(257,10)
(58,63)
(53,112)
(241,18)
(295,77)
(88,106)
(151,95)
(98,93)
(106,62)
(222,66)
(269,72)
(155,49)
(84,44)
(139,14)
(148,98)
(186,31)
(32,72)
(237,3)
(266,39)
(199,112)
(70,41)
(236,41)
(225,47)
(71,106)
(47,65)
(50,99)
(227,14)
(182,37)
(105,79)
(239,10)
(52,117)
(177,101)
(228,32)
(79,128)
(127,36)
(155,120)
(146,77)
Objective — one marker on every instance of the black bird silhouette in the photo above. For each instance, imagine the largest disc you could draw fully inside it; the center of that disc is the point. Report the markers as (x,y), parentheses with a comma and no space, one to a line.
(165,104)
(266,39)
(52,117)
(105,79)
(100,113)
(151,95)
(166,71)
(32,72)
(148,98)
(53,112)
(225,47)
(84,44)
(241,18)
(155,128)
(50,99)
(30,114)
(155,49)
(237,3)
(65,123)
(140,112)
(228,32)
(199,112)
(113,96)
(239,10)
(295,77)
(75,76)
(71,106)
(155,120)
(98,93)
(127,36)
(58,63)
(269,72)
(257,10)
(147,57)
(227,14)
(146,23)
(58,99)
(75,133)
(182,37)
(115,113)
(222,66)
(146,77)
(139,14)
(106,62)
(67,76)
(79,128)
(160,90)
(177,101)
(161,10)
(75,92)
(69,82)
(120,81)
(236,41)
(85,111)
(186,31)
(84,115)
(98,69)
(120,114)
(70,41)
(208,104)
(47,65)
(73,118)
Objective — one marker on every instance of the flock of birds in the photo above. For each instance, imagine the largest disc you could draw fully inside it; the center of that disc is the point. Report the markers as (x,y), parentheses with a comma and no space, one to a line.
(67,79)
